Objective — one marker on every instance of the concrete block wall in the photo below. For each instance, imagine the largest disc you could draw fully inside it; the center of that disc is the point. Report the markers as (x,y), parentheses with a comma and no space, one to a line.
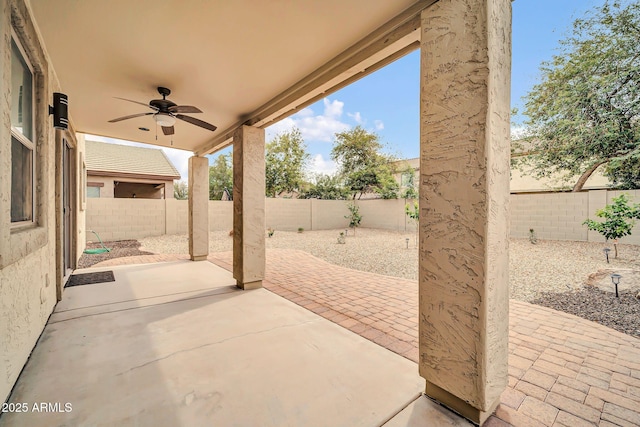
(634,195)
(554,216)
(121,219)
(288,214)
(559,216)
(385,214)
(328,214)
(220,215)
(176,212)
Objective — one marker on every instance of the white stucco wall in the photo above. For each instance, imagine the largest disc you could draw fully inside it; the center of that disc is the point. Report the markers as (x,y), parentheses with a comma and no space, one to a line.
(28,257)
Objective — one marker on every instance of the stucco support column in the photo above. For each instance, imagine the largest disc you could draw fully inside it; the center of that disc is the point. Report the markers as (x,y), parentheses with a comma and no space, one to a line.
(198,208)
(464,190)
(248,207)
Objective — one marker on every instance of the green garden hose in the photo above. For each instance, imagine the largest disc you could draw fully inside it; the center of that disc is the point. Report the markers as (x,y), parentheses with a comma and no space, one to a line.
(101,250)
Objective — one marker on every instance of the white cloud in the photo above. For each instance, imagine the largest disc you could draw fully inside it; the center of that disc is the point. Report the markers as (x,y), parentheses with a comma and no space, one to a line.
(333,108)
(320,127)
(518,132)
(179,158)
(356,117)
(379,124)
(320,165)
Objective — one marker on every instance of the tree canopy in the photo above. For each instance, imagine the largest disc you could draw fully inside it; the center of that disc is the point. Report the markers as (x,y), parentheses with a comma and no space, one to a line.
(327,187)
(221,176)
(180,190)
(584,112)
(285,160)
(362,165)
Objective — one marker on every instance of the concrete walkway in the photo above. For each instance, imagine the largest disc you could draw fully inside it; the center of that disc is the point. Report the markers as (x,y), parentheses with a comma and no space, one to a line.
(563,370)
(177,344)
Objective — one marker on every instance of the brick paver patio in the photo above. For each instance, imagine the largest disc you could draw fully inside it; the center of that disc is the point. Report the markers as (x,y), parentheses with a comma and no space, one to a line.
(563,370)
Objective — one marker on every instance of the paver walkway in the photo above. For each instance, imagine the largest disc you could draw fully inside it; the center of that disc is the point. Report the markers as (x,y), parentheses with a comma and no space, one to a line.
(563,370)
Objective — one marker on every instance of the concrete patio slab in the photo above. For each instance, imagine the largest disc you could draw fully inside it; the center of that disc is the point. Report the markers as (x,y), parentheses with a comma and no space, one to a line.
(232,358)
(425,412)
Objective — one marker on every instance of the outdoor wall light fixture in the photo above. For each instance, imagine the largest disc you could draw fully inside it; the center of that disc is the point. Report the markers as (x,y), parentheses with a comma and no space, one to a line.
(60,111)
(615,278)
(606,253)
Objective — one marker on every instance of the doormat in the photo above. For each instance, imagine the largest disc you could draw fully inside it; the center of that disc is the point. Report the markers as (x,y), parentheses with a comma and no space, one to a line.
(90,278)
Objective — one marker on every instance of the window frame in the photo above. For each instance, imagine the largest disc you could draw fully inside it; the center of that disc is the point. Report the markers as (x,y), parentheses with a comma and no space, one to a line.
(19,241)
(21,138)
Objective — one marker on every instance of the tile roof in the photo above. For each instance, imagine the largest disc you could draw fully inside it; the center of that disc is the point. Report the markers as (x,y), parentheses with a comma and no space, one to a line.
(117,158)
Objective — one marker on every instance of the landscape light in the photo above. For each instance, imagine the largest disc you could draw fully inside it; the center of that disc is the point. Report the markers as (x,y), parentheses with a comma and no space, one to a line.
(615,278)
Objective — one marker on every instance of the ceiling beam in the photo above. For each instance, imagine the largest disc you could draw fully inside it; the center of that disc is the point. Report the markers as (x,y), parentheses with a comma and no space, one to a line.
(389,42)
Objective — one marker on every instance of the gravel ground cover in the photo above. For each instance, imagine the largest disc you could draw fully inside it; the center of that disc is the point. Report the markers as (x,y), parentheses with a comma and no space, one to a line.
(119,249)
(566,276)
(597,305)
(548,266)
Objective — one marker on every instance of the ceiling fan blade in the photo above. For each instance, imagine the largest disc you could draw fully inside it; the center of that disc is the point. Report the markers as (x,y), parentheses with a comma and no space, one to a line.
(136,102)
(168,130)
(119,119)
(196,122)
(184,109)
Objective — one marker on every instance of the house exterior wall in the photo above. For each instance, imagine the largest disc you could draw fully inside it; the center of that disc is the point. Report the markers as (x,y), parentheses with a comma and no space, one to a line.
(28,273)
(108,190)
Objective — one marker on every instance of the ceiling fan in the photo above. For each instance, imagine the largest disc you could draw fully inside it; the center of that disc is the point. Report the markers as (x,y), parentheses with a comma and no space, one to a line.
(166,112)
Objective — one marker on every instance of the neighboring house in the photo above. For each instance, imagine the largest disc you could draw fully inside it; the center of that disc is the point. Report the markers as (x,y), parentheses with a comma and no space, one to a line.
(124,171)
(520,182)
(402,177)
(523,182)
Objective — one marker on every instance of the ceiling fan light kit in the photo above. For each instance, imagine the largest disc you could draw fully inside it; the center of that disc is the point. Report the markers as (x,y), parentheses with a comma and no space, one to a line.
(166,112)
(164,119)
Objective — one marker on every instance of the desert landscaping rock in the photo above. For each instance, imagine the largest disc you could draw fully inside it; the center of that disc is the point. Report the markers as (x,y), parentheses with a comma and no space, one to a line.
(549,273)
(597,305)
(119,249)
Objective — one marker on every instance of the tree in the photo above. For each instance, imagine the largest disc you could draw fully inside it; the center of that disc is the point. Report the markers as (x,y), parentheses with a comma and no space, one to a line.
(619,220)
(221,176)
(354,216)
(361,164)
(285,159)
(413,212)
(408,177)
(584,113)
(326,187)
(180,190)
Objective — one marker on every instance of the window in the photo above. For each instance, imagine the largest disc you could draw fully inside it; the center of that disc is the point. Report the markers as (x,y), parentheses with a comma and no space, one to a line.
(93,192)
(22,146)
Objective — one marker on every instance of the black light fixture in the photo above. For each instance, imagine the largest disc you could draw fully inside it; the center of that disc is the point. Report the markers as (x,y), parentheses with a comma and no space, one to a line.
(60,111)
(615,278)
(606,253)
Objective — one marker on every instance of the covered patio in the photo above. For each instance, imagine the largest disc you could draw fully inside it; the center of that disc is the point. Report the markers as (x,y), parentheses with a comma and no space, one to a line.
(177,343)
(246,65)
(170,343)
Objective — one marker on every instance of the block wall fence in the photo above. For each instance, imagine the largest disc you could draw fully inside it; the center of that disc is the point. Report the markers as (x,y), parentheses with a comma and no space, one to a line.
(553,216)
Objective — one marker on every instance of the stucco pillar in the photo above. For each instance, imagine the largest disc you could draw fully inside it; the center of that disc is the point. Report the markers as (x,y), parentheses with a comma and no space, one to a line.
(248,207)
(198,208)
(464,190)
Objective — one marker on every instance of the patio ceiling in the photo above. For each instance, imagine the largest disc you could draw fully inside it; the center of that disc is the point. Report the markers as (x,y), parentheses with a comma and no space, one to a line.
(241,61)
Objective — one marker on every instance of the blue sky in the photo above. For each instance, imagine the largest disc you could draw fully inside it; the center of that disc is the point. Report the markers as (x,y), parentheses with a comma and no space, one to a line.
(387,101)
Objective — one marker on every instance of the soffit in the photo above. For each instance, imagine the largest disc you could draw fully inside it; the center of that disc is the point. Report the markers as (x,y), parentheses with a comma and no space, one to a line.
(228,58)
